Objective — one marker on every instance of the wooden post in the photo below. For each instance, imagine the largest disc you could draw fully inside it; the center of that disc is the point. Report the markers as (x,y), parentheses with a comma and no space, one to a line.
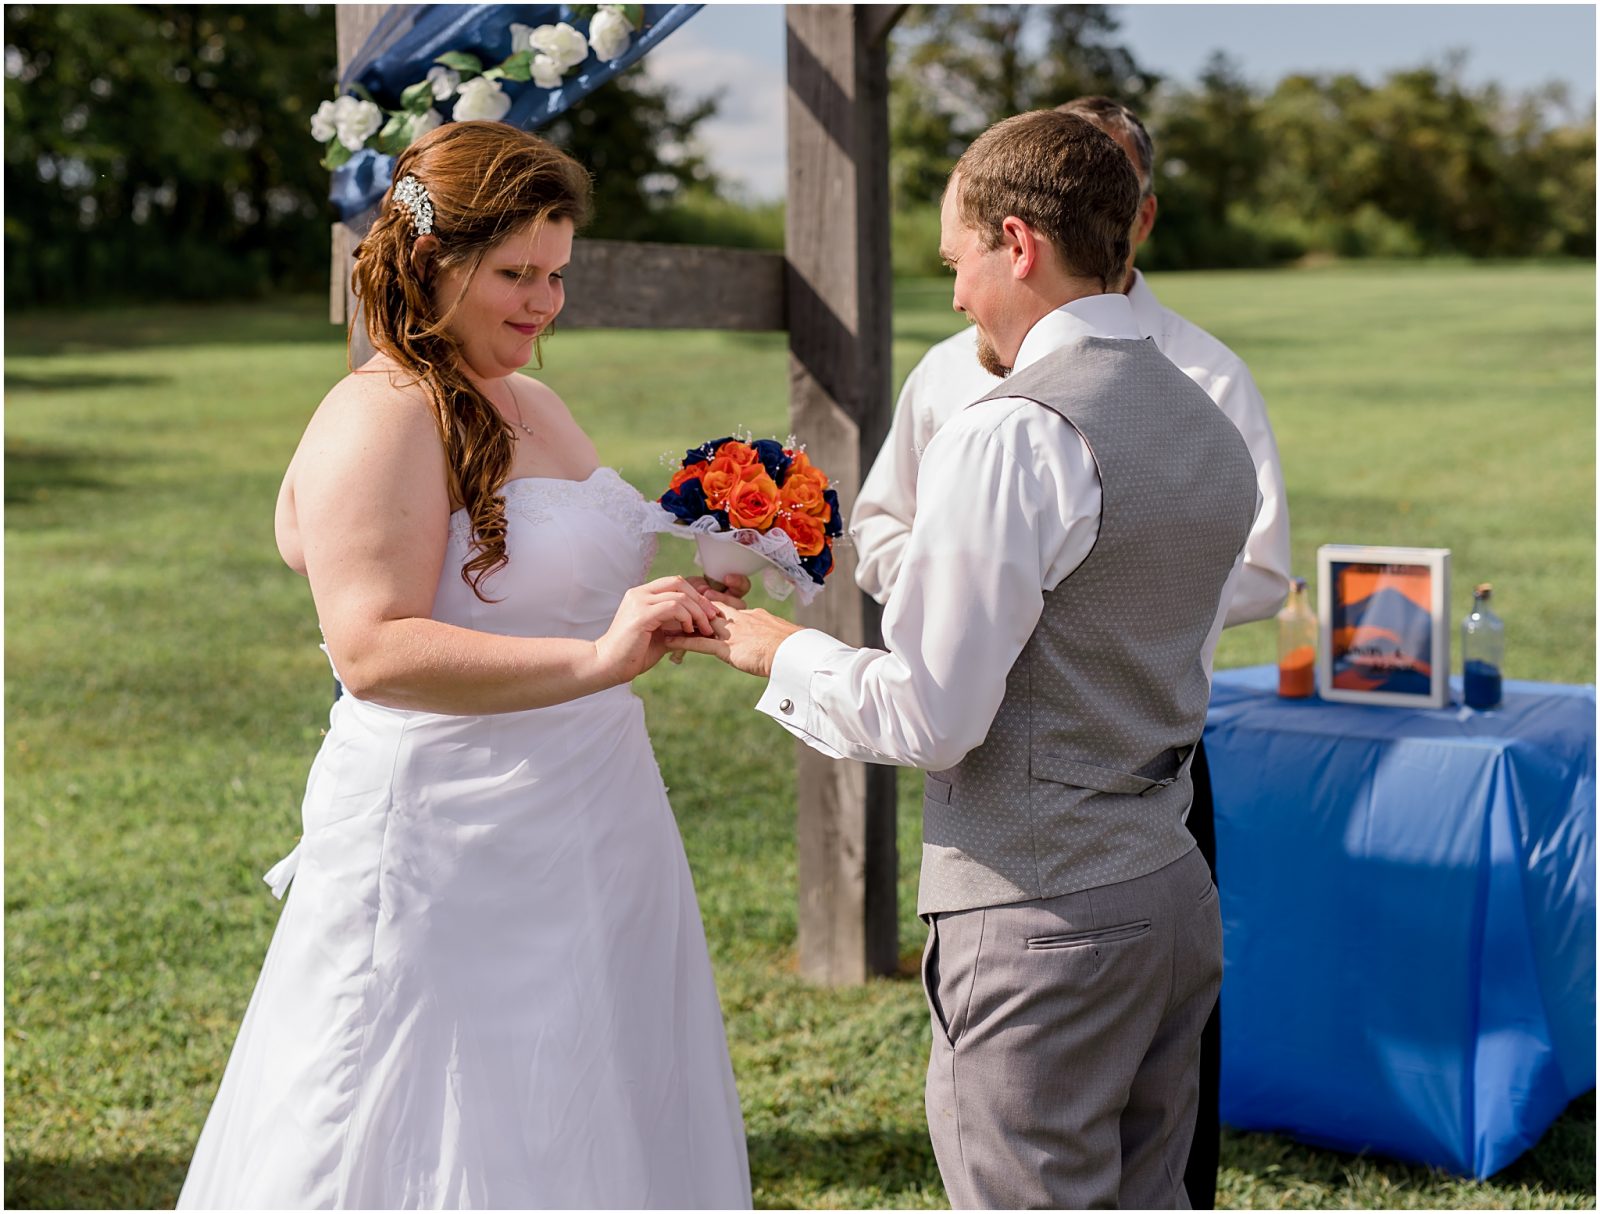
(839,300)
(352,24)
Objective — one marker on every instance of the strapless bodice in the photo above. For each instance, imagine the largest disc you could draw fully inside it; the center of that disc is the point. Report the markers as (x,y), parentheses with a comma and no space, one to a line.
(574,547)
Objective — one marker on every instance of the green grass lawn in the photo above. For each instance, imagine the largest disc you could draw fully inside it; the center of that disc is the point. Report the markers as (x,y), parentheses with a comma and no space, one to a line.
(165,695)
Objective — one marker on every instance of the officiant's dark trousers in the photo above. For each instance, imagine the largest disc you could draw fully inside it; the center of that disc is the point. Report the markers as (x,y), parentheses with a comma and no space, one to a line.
(1066,1032)
(1200,1176)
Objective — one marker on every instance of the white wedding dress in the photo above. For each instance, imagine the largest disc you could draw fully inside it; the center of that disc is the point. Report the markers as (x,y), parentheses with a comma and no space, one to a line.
(489,985)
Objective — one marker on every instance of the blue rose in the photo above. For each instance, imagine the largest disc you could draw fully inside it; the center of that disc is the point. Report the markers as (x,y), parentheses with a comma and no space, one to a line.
(687,501)
(705,451)
(818,566)
(773,458)
(835,524)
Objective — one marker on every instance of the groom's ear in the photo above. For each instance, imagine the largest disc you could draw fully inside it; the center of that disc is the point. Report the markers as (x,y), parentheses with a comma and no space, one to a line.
(1022,244)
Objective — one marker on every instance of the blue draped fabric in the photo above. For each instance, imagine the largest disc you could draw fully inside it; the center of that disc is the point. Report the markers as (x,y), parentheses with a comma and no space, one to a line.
(1408,908)
(409,37)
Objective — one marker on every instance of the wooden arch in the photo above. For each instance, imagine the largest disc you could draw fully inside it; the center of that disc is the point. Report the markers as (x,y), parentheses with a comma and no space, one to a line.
(831,289)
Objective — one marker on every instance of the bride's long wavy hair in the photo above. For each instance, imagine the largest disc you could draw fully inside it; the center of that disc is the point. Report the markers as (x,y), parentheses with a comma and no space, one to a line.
(486,181)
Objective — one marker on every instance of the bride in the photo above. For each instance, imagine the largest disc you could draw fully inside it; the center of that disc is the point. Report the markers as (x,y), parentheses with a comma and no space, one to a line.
(490,986)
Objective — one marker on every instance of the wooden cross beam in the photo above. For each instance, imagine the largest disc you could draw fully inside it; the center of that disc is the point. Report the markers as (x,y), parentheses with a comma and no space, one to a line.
(832,291)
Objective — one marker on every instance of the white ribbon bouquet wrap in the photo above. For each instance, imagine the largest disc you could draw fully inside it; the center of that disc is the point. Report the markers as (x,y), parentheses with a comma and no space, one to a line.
(728,483)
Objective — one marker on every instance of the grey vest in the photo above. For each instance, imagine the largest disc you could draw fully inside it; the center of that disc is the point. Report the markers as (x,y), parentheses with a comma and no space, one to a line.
(1083,779)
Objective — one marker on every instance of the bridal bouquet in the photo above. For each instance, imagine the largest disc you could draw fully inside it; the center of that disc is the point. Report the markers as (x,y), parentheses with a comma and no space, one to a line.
(755,506)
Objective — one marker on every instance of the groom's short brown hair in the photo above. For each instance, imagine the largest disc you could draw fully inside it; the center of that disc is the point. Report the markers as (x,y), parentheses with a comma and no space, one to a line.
(1063,177)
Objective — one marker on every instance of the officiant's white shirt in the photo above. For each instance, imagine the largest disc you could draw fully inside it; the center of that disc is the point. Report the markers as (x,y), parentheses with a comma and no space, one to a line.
(949,377)
(1008,505)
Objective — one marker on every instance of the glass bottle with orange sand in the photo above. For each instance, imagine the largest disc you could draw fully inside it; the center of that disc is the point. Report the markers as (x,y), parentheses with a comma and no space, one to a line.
(1297,645)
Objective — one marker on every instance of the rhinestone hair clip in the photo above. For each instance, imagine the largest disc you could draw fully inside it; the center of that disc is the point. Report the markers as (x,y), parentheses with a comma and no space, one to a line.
(410,193)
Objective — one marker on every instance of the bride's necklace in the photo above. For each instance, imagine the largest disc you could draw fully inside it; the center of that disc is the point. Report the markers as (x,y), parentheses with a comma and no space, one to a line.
(522,425)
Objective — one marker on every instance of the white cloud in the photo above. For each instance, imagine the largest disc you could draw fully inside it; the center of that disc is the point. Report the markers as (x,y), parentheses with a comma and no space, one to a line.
(745,141)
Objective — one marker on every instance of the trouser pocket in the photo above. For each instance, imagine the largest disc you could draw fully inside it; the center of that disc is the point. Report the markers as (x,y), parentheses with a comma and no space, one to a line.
(1093,936)
(930,979)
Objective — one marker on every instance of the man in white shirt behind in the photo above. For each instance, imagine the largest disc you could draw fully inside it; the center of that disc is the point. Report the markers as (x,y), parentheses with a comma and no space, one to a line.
(1047,657)
(949,377)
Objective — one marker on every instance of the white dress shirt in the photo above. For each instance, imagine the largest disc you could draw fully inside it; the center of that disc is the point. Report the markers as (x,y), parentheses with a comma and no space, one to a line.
(1008,505)
(949,378)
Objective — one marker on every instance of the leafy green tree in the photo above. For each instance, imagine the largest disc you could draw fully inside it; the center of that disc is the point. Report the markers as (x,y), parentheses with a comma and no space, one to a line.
(637,138)
(1418,163)
(957,69)
(1210,159)
(163,149)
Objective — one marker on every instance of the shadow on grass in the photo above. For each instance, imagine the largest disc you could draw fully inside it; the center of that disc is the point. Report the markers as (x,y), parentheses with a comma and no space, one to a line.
(37,474)
(1563,1160)
(1560,1164)
(80,381)
(891,1161)
(286,320)
(141,1182)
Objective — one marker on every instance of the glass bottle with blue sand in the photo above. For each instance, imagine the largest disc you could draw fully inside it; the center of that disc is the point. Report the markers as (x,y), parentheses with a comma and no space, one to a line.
(1483,644)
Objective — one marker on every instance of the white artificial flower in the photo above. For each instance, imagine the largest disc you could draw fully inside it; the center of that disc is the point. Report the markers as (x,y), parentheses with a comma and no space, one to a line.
(609,34)
(423,123)
(356,121)
(481,98)
(521,38)
(322,128)
(444,80)
(546,72)
(562,43)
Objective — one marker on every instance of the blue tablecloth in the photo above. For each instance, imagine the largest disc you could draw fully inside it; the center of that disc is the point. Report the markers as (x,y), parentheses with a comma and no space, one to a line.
(1408,907)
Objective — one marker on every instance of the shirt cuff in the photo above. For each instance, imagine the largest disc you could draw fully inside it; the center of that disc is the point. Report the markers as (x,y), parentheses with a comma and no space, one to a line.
(787,699)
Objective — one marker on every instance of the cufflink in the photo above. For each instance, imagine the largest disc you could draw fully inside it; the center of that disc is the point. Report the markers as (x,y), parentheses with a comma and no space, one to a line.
(785,706)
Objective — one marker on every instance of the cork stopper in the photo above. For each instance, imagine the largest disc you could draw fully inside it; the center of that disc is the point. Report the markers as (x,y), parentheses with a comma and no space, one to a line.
(1481,590)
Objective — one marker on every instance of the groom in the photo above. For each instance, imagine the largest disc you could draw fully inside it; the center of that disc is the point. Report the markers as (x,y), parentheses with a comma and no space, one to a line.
(1048,648)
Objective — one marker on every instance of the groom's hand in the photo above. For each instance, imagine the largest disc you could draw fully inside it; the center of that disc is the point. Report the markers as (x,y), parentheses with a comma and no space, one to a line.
(746,641)
(732,592)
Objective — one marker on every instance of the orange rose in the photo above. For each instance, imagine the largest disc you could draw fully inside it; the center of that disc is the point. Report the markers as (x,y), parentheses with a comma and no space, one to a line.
(722,476)
(753,503)
(803,467)
(718,483)
(804,530)
(738,453)
(686,474)
(803,495)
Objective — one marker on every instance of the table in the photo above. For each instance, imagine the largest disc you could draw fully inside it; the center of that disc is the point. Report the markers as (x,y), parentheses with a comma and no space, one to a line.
(1408,907)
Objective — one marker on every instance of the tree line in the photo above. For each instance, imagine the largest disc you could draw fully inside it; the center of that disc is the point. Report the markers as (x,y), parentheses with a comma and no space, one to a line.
(1418,163)
(163,151)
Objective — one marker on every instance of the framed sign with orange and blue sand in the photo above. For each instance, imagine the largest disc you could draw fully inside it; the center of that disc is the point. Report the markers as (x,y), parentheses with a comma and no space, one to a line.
(1385,638)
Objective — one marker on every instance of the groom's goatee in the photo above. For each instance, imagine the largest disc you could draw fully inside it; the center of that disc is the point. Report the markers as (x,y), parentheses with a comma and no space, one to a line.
(988,359)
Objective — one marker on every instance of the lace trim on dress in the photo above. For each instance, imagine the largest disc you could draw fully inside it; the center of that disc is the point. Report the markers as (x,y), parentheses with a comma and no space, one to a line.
(535,499)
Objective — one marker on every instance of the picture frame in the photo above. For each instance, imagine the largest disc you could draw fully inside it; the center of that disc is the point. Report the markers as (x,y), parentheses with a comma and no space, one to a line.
(1385,635)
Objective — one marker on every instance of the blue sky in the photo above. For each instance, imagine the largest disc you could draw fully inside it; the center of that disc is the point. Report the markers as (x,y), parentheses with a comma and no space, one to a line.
(739,49)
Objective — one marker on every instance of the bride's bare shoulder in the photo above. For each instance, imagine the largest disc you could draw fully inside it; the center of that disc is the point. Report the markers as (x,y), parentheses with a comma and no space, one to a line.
(378,417)
(379,389)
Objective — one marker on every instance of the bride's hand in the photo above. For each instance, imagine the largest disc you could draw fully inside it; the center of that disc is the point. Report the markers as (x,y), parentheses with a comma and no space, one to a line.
(735,588)
(635,642)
